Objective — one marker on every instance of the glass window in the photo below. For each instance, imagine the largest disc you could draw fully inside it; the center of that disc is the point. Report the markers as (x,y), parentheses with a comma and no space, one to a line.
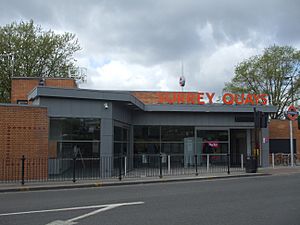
(214,148)
(74,129)
(146,148)
(117,149)
(125,134)
(86,129)
(176,133)
(71,137)
(78,149)
(146,133)
(120,134)
(120,148)
(213,135)
(172,148)
(120,141)
(117,133)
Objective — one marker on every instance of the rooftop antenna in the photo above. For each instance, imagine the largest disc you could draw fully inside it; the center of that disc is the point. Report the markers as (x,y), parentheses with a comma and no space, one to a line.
(182,78)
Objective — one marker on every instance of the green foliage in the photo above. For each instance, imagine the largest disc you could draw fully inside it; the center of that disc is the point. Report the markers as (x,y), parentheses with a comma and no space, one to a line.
(276,72)
(26,50)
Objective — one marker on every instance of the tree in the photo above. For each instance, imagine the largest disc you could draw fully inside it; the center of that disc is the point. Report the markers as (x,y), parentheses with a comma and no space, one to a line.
(26,50)
(276,72)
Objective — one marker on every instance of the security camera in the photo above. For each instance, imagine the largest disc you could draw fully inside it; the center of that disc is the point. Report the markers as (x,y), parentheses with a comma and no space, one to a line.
(106,105)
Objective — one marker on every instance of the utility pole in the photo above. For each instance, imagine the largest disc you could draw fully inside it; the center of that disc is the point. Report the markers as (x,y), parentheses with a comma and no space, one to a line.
(291,126)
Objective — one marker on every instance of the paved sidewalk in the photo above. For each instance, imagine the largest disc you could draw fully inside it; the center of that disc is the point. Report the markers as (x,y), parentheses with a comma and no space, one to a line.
(52,185)
(279,170)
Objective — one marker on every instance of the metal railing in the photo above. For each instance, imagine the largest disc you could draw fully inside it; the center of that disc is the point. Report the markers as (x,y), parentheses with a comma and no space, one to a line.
(25,170)
(283,159)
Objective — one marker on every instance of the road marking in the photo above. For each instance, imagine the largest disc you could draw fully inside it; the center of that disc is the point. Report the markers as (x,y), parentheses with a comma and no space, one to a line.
(112,206)
(71,208)
(108,207)
(60,222)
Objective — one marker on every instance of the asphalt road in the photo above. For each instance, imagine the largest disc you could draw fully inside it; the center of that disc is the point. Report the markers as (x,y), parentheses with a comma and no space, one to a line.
(258,200)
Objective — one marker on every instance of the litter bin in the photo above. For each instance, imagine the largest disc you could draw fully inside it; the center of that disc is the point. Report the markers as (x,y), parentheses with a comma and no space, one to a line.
(251,164)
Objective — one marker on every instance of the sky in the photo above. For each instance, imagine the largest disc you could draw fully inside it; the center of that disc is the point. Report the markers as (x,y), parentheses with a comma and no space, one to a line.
(142,44)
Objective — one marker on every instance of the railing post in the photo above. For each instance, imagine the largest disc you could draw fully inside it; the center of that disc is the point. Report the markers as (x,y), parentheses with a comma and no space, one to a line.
(120,168)
(23,170)
(228,163)
(196,164)
(207,162)
(160,165)
(273,160)
(242,161)
(74,169)
(125,166)
(169,164)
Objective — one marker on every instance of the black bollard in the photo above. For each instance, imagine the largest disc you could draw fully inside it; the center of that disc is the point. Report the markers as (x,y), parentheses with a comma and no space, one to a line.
(23,170)
(160,166)
(74,169)
(196,164)
(228,163)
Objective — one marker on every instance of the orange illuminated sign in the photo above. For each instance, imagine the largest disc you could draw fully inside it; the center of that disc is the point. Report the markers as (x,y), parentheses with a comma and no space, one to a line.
(202,98)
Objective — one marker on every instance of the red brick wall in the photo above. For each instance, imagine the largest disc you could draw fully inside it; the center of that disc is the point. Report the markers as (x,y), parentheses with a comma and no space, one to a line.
(63,83)
(280,129)
(24,131)
(20,87)
(152,97)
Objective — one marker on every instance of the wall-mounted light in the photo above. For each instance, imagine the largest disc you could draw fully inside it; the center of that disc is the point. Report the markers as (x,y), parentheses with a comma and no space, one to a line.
(106,105)
(42,82)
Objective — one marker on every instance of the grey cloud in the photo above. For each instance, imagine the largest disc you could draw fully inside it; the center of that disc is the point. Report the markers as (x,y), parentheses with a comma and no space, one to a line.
(164,30)
(167,31)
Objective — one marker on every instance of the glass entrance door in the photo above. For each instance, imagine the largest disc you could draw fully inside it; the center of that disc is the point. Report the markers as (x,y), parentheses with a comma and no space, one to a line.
(238,145)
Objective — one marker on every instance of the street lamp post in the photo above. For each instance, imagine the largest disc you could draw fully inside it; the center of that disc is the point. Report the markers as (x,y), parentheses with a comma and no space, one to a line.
(291,124)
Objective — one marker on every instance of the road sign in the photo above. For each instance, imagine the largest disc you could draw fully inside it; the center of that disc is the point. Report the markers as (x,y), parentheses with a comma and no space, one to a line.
(292,113)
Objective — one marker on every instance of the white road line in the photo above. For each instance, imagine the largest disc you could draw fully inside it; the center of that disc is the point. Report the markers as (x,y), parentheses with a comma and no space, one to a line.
(92,213)
(72,221)
(69,209)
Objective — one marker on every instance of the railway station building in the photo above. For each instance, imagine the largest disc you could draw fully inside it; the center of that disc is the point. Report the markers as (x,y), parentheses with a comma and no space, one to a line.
(53,118)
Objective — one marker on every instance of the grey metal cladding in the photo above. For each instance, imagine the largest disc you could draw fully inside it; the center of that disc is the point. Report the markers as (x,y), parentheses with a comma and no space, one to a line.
(189,119)
(208,108)
(123,96)
(265,147)
(121,112)
(75,108)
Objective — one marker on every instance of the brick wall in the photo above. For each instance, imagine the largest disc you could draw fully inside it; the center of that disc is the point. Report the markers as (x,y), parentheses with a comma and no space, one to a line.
(24,131)
(20,87)
(152,97)
(280,129)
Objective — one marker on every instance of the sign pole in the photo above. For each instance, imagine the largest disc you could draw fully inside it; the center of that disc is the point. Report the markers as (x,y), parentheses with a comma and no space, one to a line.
(291,143)
(292,115)
(291,123)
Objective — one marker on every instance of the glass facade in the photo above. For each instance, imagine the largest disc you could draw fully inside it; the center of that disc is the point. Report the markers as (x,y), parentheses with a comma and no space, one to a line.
(179,140)
(71,137)
(121,141)
(161,139)
(212,141)
(146,134)
(81,137)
